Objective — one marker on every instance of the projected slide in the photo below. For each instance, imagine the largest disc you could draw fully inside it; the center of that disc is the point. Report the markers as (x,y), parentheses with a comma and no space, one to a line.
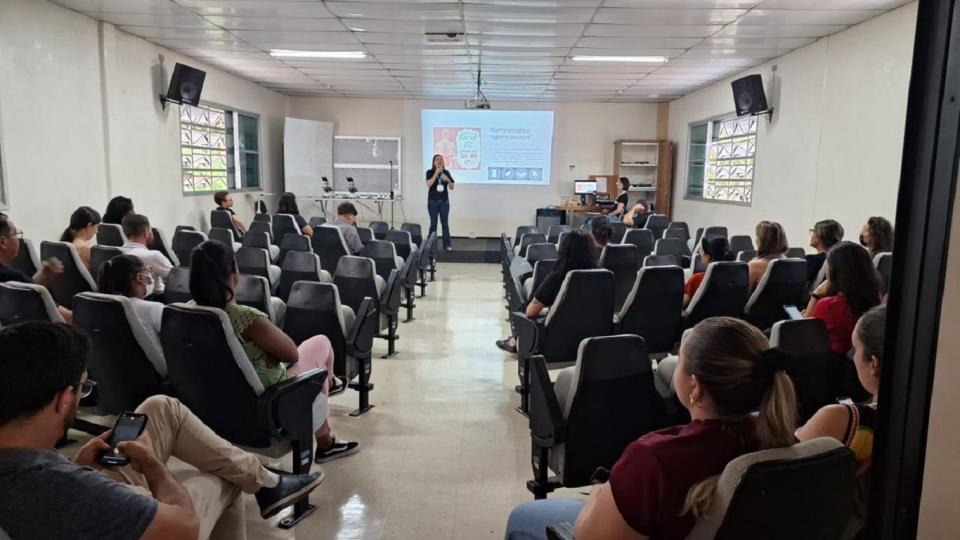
(490,147)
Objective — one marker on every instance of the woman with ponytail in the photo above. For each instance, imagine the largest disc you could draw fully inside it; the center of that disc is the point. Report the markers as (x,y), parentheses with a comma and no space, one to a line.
(125,275)
(84,223)
(665,480)
(214,276)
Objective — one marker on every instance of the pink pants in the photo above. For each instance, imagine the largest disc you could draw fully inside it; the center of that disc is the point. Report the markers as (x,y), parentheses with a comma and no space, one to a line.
(315,353)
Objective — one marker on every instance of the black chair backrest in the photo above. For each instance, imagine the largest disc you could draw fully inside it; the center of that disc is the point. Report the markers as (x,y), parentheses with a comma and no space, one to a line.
(415,230)
(541,270)
(402,241)
(365,328)
(365,234)
(222,219)
(740,242)
(258,240)
(783,284)
(795,253)
(619,229)
(680,225)
(125,375)
(27,259)
(423,259)
(160,244)
(283,224)
(390,298)
(262,217)
(696,241)
(654,307)
(176,288)
(254,291)
(297,266)
(179,228)
(583,308)
(253,261)
(723,292)
(676,232)
(746,255)
(75,277)
(316,221)
(530,238)
(715,231)
(884,263)
(329,245)
(383,254)
(522,230)
(100,255)
(225,236)
(643,239)
(671,246)
(379,229)
(293,242)
(408,274)
(313,309)
(261,227)
(211,375)
(110,234)
(656,224)
(22,302)
(624,261)
(615,376)
(554,232)
(539,252)
(659,260)
(184,240)
(354,278)
(801,337)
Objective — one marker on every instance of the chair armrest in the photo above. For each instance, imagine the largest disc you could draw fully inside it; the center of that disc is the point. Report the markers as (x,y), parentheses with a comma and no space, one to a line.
(547,427)
(560,531)
(390,298)
(528,334)
(288,404)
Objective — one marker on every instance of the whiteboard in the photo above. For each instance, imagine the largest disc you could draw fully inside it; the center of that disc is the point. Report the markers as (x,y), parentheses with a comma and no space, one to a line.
(307,155)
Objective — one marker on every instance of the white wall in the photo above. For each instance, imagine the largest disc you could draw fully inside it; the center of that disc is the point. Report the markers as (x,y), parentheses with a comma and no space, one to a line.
(583,136)
(834,145)
(81,121)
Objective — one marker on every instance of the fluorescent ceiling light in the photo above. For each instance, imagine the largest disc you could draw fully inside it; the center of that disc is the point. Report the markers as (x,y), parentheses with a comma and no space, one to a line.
(348,55)
(643,59)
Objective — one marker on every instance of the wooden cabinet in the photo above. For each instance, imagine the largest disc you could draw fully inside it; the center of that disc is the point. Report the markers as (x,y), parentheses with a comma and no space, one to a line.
(649,166)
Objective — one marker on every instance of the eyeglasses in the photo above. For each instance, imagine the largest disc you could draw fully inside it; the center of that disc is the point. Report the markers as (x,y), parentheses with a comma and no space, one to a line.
(85,388)
(16,233)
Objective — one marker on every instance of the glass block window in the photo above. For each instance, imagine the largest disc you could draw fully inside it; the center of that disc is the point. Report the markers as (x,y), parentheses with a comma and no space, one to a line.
(721,156)
(215,154)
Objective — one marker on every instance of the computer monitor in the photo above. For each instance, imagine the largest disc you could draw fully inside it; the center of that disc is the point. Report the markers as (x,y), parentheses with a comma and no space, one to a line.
(584,187)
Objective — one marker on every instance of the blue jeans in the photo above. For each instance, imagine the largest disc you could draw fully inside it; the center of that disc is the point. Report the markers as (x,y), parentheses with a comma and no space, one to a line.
(529,520)
(441,208)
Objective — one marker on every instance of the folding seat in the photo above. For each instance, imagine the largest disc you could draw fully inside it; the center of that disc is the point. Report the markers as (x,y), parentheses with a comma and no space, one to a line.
(402,241)
(224,220)
(272,241)
(526,240)
(300,266)
(680,225)
(379,229)
(795,253)
(384,256)
(365,234)
(608,403)
(293,242)
(539,252)
(416,232)
(425,262)
(75,277)
(315,309)
(408,278)
(99,255)
(225,237)
(184,240)
(329,245)
(356,278)
(126,359)
(554,232)
(784,283)
(660,260)
(746,255)
(723,292)
(541,269)
(316,221)
(262,227)
(254,291)
(715,231)
(160,244)
(262,216)
(283,224)
(27,259)
(653,309)
(741,242)
(110,234)
(583,309)
(522,230)
(656,224)
(389,309)
(261,240)
(619,229)
(683,237)
(670,246)
(177,286)
(884,264)
(641,238)
(817,373)
(624,261)
(256,262)
(22,302)
(211,374)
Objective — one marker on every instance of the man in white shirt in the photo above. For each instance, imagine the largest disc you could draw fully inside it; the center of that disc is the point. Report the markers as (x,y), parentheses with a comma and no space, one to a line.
(136,228)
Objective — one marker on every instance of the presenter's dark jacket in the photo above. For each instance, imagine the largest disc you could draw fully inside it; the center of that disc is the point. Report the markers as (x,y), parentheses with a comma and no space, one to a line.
(435,195)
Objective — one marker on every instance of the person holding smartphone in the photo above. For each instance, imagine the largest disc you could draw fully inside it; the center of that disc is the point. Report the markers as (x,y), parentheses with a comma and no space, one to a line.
(439,184)
(44,378)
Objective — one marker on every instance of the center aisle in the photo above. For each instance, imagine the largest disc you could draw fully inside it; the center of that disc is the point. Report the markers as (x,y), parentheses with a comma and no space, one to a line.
(444,453)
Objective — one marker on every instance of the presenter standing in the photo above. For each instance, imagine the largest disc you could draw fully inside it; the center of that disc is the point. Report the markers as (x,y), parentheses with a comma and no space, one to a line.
(439,185)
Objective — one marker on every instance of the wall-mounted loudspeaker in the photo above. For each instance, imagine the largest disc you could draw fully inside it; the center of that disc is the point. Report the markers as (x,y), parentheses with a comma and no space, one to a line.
(748,95)
(185,86)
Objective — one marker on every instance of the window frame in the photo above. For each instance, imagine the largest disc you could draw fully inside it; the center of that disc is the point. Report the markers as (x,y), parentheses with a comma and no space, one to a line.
(709,123)
(233,111)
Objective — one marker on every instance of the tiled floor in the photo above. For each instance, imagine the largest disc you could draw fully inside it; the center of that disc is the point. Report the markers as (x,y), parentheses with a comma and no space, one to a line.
(444,453)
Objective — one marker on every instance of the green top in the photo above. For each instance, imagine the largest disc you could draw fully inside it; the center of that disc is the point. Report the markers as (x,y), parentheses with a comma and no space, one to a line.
(270,372)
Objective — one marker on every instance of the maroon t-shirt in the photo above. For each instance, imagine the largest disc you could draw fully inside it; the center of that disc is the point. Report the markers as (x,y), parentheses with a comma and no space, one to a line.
(651,479)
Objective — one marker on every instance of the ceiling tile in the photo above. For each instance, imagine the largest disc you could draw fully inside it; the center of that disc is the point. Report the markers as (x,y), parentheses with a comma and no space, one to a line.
(311,24)
(182,20)
(256,8)
(545,15)
(778,31)
(430,11)
(667,16)
(808,16)
(123,6)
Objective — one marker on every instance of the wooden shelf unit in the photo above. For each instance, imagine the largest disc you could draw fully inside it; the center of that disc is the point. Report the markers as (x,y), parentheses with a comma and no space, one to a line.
(649,166)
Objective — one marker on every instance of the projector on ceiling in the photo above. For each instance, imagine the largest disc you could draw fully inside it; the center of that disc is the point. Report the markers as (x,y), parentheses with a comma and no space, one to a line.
(477,103)
(444,37)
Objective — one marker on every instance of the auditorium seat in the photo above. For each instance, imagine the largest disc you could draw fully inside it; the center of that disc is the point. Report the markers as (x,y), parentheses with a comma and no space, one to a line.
(22,302)
(211,374)
(110,234)
(75,277)
(653,309)
(680,225)
(389,309)
(272,243)
(818,375)
(225,237)
(356,278)
(300,266)
(670,246)
(800,337)
(256,262)
(283,224)
(554,232)
(99,255)
(262,227)
(379,229)
(184,240)
(160,244)
(723,292)
(539,252)
(293,242)
(262,216)
(315,309)
(746,255)
(541,269)
(656,224)
(408,278)
(884,264)
(624,262)
(402,241)
(522,230)
(795,253)
(224,220)
(254,291)
(619,229)
(365,234)
(416,232)
(261,240)
(715,231)
(641,238)
(526,240)
(740,243)
(316,221)
(125,359)
(659,260)
(586,421)
(329,245)
(784,283)
(27,259)
(425,263)
(384,256)
(177,286)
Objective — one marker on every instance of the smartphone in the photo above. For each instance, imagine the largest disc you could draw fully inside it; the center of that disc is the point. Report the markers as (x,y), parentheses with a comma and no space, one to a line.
(793,312)
(129,427)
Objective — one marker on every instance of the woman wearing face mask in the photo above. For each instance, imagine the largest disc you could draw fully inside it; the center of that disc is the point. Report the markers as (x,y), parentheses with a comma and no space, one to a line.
(125,275)
(877,235)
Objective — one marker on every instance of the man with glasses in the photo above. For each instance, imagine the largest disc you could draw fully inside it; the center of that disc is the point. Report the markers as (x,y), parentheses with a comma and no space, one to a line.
(10,237)
(45,495)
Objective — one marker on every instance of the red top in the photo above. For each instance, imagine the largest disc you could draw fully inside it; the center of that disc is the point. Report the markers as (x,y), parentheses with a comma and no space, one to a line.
(651,479)
(693,284)
(840,322)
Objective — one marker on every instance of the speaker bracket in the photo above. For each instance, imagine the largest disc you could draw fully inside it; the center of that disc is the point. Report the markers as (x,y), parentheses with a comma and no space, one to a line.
(768,113)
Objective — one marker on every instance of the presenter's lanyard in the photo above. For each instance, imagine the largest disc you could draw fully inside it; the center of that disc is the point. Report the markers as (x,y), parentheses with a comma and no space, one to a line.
(440,187)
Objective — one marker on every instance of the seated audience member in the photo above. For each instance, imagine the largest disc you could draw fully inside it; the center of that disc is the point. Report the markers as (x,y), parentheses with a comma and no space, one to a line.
(225,202)
(576,252)
(853,425)
(823,236)
(877,235)
(125,275)
(623,197)
(117,209)
(213,277)
(84,223)
(637,216)
(347,223)
(49,270)
(48,496)
(852,287)
(601,232)
(711,250)
(771,244)
(665,480)
(139,235)
(288,205)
